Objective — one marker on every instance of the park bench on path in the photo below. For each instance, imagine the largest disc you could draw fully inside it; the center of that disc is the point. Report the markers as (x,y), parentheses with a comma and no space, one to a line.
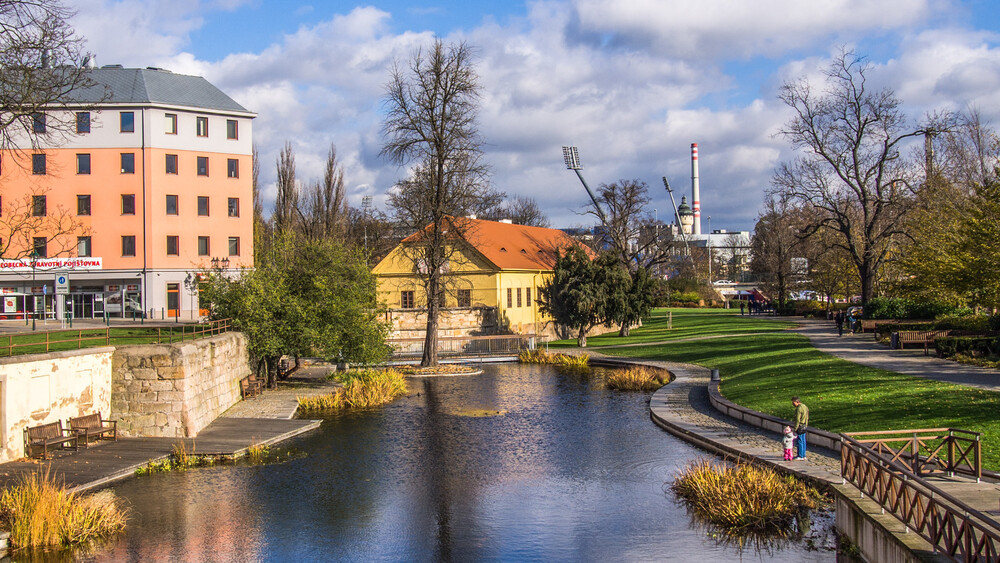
(923,337)
(92,425)
(250,386)
(39,438)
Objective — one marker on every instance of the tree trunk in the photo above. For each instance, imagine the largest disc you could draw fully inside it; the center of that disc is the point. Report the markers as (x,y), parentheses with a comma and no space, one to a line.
(625,329)
(581,338)
(867,276)
(430,356)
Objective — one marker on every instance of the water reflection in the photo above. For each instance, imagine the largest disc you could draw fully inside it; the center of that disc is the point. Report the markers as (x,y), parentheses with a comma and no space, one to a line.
(567,472)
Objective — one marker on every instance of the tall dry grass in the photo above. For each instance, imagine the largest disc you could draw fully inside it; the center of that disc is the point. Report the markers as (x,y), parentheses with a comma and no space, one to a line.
(540,356)
(743,498)
(40,513)
(362,389)
(638,378)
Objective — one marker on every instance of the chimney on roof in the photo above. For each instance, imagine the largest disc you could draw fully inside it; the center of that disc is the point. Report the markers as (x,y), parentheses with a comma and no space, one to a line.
(508,221)
(90,62)
(471,216)
(46,58)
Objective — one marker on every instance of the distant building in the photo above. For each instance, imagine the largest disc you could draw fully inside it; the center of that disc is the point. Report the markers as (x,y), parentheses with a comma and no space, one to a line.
(494,276)
(158,169)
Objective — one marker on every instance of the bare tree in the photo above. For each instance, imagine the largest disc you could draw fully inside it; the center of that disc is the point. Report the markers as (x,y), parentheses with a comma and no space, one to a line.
(324,211)
(29,217)
(776,246)
(431,110)
(287,200)
(851,169)
(520,210)
(258,197)
(41,70)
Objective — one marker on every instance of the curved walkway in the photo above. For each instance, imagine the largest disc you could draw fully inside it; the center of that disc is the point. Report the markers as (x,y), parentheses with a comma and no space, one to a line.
(863,349)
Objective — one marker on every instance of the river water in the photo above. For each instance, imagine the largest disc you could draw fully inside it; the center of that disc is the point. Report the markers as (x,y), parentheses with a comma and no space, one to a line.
(559,469)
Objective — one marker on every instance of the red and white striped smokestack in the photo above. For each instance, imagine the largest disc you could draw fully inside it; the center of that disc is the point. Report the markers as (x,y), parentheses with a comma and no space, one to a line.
(695,192)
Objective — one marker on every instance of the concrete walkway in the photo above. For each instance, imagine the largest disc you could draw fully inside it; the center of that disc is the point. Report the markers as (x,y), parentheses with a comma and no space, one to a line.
(264,420)
(863,349)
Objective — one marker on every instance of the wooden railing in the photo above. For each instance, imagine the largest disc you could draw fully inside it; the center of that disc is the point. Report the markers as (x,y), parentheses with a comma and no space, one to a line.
(929,451)
(474,346)
(55,340)
(949,525)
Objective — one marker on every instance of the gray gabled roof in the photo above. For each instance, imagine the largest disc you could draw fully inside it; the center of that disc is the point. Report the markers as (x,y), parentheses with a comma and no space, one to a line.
(114,85)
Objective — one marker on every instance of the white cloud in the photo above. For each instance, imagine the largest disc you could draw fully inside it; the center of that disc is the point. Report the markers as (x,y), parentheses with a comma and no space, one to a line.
(629,83)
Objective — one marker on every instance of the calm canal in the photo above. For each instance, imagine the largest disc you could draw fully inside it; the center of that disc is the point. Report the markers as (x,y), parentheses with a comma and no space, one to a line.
(567,471)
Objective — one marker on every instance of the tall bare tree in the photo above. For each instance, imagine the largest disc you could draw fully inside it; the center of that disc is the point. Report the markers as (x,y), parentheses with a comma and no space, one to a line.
(324,212)
(777,246)
(431,109)
(850,169)
(287,200)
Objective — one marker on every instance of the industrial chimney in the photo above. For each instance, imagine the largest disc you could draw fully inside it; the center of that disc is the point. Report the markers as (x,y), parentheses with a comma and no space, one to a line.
(695,192)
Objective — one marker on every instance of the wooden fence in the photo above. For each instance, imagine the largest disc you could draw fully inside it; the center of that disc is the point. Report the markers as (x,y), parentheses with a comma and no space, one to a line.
(929,451)
(952,527)
(48,341)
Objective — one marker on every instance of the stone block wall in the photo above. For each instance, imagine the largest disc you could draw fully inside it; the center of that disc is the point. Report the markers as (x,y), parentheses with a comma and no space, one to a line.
(175,390)
(454,321)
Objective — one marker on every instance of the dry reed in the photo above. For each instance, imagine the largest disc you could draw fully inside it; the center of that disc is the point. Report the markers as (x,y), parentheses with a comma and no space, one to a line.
(540,356)
(638,378)
(742,498)
(363,389)
(40,513)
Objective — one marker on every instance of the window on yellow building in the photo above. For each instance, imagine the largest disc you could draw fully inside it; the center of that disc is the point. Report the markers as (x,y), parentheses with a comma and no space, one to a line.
(527,296)
(464,297)
(510,298)
(519,297)
(406,299)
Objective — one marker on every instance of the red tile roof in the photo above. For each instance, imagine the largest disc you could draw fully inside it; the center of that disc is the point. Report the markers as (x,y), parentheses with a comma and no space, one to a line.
(513,247)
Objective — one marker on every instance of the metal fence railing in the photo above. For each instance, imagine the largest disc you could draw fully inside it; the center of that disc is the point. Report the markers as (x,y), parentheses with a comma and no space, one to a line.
(465,346)
(951,526)
(57,340)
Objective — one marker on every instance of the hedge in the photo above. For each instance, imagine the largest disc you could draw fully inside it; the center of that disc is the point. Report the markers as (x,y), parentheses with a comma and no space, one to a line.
(975,346)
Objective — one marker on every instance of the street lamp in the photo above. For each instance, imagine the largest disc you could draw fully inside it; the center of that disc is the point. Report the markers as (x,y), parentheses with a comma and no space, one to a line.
(571,156)
(709,249)
(34,300)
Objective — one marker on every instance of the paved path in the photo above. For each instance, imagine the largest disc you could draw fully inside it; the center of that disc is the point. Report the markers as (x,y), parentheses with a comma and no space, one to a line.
(264,420)
(863,349)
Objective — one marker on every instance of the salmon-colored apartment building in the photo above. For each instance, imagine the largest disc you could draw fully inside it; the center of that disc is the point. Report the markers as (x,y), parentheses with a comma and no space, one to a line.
(156,169)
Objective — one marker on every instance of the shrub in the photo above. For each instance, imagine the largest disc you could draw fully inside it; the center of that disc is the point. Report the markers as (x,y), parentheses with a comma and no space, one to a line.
(972,346)
(742,498)
(362,389)
(994,322)
(638,378)
(971,323)
(898,308)
(40,513)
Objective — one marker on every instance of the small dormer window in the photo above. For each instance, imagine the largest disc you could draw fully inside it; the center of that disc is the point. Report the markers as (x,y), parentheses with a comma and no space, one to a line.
(523,251)
(502,249)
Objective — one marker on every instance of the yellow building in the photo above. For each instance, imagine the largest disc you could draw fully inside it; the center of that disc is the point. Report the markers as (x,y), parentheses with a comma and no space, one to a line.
(492,265)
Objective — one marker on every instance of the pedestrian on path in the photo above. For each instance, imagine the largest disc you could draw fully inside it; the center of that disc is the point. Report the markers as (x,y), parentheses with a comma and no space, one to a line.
(742,307)
(839,319)
(788,442)
(801,422)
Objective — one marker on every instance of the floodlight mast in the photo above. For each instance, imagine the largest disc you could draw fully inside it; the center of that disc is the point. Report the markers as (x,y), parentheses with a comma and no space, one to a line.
(571,156)
(677,216)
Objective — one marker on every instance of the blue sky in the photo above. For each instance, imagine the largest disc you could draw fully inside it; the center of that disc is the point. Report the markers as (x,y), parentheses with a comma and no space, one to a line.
(631,83)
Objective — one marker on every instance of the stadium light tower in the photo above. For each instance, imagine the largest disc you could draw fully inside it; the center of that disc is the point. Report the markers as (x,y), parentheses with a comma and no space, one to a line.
(677,216)
(571,156)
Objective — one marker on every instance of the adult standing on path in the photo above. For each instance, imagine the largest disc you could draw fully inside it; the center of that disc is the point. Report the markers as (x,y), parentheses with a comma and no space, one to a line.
(839,319)
(801,421)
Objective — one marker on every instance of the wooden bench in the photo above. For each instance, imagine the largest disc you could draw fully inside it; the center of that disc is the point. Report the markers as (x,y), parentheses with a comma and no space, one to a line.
(39,438)
(92,425)
(250,386)
(868,325)
(924,337)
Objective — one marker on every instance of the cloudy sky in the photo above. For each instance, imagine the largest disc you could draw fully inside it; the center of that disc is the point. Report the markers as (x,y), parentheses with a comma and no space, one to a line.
(632,83)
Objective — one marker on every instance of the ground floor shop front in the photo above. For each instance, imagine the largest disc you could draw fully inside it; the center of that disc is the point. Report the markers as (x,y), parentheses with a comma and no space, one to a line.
(63,294)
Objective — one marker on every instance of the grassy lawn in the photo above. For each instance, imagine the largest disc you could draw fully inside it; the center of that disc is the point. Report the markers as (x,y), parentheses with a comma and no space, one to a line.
(35,343)
(763,371)
(687,323)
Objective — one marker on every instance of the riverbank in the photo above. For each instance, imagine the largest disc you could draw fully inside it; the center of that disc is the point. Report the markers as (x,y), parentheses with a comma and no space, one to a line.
(265,420)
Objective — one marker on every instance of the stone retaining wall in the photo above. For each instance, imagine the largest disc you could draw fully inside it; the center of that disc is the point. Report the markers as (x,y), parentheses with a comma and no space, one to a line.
(454,321)
(175,390)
